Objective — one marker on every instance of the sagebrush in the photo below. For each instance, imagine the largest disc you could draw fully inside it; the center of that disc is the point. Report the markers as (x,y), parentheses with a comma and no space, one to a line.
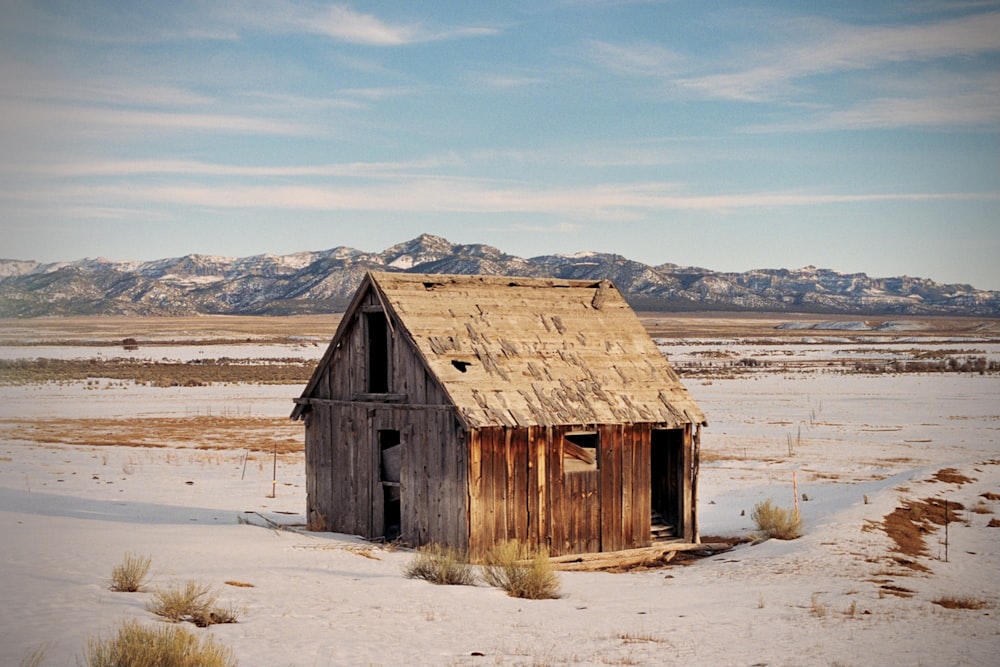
(520,570)
(192,602)
(441,565)
(130,575)
(138,645)
(776,522)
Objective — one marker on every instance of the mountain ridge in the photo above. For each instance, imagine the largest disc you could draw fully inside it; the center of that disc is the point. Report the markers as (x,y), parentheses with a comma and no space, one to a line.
(325,280)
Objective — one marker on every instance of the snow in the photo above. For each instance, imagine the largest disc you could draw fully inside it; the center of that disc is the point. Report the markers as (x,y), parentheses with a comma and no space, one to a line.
(855,445)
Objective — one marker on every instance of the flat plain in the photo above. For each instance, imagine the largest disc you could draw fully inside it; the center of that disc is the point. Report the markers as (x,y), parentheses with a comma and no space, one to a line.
(170,437)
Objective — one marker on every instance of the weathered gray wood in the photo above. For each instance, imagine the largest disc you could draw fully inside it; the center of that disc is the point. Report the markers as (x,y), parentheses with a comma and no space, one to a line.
(627,557)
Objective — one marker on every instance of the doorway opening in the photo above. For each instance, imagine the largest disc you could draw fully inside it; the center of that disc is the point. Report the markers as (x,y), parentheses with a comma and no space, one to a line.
(667,478)
(390,464)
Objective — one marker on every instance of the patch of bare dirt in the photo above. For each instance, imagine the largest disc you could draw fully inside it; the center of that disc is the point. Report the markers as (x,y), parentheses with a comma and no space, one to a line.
(197,373)
(259,434)
(952,476)
(909,524)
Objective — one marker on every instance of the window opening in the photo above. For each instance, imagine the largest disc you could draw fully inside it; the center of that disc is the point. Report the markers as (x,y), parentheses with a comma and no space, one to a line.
(581,451)
(378,353)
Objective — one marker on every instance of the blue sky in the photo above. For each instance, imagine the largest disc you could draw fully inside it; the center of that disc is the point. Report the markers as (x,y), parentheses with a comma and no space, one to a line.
(857,136)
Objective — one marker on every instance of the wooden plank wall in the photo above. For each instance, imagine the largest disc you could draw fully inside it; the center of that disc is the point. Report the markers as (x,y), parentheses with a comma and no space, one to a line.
(519,490)
(434,483)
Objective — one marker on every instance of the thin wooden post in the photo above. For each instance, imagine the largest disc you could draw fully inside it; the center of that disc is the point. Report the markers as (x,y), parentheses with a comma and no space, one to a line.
(947,518)
(274,473)
(795,493)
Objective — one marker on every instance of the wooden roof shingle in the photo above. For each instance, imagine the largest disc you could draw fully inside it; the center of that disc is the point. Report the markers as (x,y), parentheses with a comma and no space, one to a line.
(531,351)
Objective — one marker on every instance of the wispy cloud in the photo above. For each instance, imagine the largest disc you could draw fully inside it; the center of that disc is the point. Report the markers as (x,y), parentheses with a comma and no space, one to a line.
(343,23)
(635,59)
(192,168)
(836,47)
(445,195)
(80,120)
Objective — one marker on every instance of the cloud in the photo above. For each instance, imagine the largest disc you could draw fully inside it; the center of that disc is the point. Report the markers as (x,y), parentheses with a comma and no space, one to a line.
(79,120)
(636,59)
(835,47)
(417,195)
(167,167)
(343,23)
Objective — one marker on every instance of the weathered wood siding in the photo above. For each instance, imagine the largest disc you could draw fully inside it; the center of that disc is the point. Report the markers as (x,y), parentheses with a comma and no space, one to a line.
(519,489)
(343,484)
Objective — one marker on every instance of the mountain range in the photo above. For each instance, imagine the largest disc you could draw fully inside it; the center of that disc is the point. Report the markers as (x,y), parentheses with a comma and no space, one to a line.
(324,281)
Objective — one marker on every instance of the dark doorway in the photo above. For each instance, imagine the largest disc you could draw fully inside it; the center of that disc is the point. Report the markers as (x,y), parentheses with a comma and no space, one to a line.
(667,478)
(390,464)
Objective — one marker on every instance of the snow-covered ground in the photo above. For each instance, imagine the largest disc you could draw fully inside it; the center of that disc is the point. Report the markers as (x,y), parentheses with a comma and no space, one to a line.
(856,446)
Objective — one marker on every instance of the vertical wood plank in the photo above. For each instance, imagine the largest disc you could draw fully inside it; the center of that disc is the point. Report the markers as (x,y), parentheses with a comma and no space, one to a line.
(557,514)
(643,486)
(519,498)
(477,509)
(627,484)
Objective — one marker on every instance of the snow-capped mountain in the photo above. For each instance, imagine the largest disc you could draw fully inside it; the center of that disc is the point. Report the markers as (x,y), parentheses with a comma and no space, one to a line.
(324,281)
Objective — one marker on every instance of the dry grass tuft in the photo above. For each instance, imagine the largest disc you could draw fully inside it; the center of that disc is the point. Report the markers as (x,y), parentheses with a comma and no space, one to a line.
(136,645)
(441,565)
(129,576)
(193,602)
(981,507)
(776,522)
(238,584)
(961,602)
(521,571)
(34,658)
(952,476)
(817,608)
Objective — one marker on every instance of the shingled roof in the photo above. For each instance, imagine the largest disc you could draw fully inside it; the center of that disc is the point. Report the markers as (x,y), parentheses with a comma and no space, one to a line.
(529,351)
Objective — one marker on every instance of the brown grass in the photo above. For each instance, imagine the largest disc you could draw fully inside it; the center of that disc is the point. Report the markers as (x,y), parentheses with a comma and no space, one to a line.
(908,524)
(129,576)
(952,476)
(137,645)
(961,602)
(441,565)
(196,373)
(260,434)
(521,571)
(191,602)
(776,522)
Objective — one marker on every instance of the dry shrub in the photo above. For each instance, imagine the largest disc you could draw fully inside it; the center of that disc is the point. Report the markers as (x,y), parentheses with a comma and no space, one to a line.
(35,657)
(441,565)
(961,602)
(994,523)
(193,602)
(521,571)
(776,522)
(137,645)
(981,508)
(129,576)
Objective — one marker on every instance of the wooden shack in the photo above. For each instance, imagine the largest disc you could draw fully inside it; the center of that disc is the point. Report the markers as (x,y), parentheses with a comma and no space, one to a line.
(466,410)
